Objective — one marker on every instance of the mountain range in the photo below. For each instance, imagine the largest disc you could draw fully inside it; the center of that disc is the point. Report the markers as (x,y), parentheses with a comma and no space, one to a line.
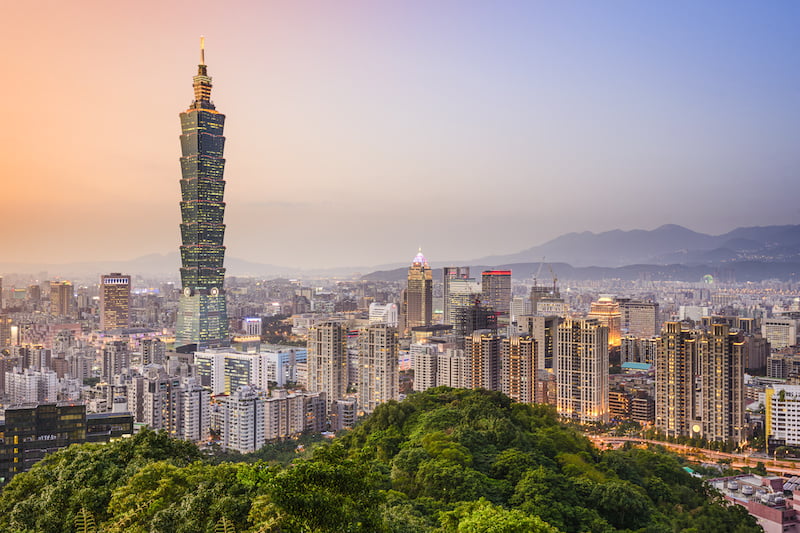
(667,244)
(667,252)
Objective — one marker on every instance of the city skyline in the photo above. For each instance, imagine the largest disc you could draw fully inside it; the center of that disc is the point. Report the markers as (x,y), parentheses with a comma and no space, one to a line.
(342,111)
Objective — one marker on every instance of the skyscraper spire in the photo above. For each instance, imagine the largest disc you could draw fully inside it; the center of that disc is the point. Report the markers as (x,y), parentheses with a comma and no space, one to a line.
(202,82)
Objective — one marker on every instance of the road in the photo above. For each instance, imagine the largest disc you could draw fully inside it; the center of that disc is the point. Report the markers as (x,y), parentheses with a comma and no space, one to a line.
(782,467)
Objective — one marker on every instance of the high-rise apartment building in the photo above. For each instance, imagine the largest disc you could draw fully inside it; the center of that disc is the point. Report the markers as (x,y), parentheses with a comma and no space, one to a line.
(153,351)
(424,359)
(582,370)
(453,369)
(544,329)
(675,381)
(378,379)
(240,418)
(482,349)
(496,293)
(418,300)
(327,360)
(700,382)
(115,301)
(62,298)
(519,366)
(116,356)
(202,319)
(721,354)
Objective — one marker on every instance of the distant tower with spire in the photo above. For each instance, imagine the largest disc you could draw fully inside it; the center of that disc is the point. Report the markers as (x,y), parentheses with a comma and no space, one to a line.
(202,320)
(418,297)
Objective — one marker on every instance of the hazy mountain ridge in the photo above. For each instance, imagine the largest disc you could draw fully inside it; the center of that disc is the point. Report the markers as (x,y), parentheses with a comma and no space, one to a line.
(667,252)
(663,245)
(733,271)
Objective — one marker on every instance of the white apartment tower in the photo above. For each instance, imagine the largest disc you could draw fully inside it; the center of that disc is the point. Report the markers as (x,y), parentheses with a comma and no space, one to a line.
(377,362)
(327,360)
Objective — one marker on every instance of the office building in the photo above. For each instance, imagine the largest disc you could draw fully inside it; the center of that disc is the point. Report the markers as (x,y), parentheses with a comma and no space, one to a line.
(418,298)
(28,433)
(638,318)
(327,364)
(202,319)
(449,274)
(607,312)
(252,327)
(115,301)
(582,370)
(473,317)
(378,377)
(460,293)
(62,298)
(5,331)
(384,314)
(780,332)
(496,293)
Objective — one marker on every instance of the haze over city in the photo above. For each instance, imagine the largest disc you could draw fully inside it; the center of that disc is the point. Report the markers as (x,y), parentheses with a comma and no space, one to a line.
(358,131)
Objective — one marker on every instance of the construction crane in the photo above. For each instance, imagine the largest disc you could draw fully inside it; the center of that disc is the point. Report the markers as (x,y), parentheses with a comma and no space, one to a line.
(555,279)
(536,276)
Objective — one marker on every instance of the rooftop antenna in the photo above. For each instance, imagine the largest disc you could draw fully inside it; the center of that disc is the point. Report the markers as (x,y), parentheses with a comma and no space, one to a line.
(202,50)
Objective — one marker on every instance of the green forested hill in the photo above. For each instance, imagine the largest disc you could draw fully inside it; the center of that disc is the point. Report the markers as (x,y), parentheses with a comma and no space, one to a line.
(447,460)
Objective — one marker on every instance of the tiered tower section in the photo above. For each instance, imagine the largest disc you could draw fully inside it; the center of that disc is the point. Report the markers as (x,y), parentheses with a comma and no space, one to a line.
(202,315)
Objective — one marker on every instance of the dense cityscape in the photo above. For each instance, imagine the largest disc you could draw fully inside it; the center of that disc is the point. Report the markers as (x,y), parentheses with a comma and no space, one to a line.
(637,380)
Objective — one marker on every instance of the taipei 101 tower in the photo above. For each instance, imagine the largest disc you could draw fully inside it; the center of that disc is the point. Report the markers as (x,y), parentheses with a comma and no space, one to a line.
(202,320)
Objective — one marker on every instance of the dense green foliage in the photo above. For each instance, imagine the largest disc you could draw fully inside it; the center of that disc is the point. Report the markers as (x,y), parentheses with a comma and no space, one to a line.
(443,461)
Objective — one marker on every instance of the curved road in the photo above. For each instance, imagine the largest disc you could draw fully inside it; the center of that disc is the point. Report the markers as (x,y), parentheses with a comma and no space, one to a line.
(738,460)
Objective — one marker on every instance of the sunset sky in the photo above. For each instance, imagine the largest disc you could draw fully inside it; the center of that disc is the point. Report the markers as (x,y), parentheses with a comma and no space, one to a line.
(358,131)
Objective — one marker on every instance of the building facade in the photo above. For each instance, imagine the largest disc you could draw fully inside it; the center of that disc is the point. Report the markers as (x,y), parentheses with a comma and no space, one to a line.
(582,370)
(115,301)
(418,302)
(202,319)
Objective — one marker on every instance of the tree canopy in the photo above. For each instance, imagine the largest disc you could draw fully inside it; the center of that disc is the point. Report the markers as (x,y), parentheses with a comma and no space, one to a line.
(442,461)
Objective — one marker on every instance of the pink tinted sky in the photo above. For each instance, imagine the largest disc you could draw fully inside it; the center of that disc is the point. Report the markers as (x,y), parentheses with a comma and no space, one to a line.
(360,130)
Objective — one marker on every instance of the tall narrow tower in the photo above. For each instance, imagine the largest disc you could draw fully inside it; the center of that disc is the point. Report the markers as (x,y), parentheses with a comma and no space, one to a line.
(202,314)
(418,305)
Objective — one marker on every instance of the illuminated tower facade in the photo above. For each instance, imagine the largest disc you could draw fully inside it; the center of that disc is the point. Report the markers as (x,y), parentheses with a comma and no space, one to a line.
(202,314)
(115,301)
(418,304)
